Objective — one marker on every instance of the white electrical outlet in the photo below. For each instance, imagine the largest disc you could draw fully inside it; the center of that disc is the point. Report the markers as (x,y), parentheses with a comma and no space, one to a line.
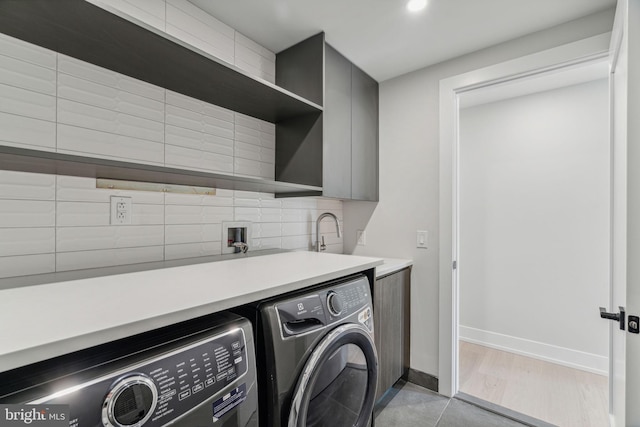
(120,210)
(361,237)
(422,239)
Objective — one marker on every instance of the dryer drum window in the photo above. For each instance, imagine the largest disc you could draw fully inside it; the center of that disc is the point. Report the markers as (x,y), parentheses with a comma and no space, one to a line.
(338,384)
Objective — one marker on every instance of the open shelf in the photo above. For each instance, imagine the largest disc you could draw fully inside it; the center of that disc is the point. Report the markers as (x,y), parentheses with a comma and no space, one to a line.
(36,161)
(87,32)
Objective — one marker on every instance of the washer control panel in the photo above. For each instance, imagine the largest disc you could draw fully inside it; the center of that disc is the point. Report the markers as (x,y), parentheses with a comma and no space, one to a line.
(346,299)
(155,392)
(307,313)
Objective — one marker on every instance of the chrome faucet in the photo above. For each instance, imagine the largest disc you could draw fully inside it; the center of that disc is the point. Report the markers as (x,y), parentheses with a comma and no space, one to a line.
(322,247)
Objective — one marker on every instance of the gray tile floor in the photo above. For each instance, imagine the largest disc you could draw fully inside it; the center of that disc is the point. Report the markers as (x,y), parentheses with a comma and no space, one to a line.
(409,405)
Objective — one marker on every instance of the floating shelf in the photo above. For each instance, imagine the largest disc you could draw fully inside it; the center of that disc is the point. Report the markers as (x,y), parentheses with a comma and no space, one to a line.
(36,161)
(87,32)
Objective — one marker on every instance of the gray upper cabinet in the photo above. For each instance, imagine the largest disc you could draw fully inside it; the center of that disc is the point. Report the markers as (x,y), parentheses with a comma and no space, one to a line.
(350,147)
(336,147)
(364,136)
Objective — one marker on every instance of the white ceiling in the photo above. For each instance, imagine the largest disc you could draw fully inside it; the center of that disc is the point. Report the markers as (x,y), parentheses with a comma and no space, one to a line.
(383,38)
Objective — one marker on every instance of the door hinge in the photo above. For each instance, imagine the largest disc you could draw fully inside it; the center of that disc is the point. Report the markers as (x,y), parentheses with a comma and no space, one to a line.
(455,265)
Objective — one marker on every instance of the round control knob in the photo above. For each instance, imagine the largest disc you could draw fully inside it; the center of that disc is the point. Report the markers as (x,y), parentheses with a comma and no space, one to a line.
(334,304)
(130,402)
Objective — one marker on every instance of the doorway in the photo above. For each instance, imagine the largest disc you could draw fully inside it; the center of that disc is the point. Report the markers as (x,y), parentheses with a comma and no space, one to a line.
(569,55)
(533,244)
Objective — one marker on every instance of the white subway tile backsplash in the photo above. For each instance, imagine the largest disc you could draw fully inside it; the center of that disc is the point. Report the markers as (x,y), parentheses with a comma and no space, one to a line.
(267,243)
(189,119)
(246,202)
(151,12)
(221,198)
(255,124)
(247,151)
(27,241)
(269,201)
(27,103)
(69,239)
(82,214)
(295,215)
(20,131)
(106,258)
(270,214)
(297,242)
(87,92)
(329,204)
(74,140)
(188,103)
(299,203)
(58,223)
(178,214)
(84,70)
(186,158)
(147,214)
(28,52)
(192,250)
(79,214)
(27,213)
(24,265)
(253,168)
(192,25)
(27,186)
(25,75)
(247,214)
(81,189)
(100,119)
(192,233)
(198,140)
(297,228)
(255,59)
(270,230)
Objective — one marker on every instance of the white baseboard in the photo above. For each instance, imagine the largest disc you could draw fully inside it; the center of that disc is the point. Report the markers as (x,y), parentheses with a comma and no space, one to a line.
(560,355)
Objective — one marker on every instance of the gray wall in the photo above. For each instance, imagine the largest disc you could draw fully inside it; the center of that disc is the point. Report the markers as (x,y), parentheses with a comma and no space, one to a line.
(409,139)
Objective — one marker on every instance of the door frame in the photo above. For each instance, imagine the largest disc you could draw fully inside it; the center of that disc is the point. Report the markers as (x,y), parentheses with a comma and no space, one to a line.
(568,55)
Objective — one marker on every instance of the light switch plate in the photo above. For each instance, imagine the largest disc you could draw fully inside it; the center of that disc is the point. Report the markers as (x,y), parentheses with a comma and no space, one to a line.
(422,239)
(361,237)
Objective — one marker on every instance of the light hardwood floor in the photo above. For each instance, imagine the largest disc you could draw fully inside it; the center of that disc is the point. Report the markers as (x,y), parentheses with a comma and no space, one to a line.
(553,393)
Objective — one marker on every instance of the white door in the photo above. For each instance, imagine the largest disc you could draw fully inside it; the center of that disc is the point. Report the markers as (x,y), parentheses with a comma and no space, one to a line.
(625,107)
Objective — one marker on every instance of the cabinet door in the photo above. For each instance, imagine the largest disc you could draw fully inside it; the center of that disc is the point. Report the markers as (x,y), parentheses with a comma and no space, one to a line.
(336,170)
(364,136)
(391,314)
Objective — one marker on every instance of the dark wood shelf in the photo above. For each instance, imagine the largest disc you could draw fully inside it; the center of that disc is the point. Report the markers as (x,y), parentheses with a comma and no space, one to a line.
(36,161)
(84,31)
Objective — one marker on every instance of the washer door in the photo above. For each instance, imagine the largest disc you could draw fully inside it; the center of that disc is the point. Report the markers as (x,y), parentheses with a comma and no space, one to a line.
(338,384)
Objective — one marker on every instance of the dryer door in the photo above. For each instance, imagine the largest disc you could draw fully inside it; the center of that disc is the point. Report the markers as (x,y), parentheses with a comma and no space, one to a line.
(337,386)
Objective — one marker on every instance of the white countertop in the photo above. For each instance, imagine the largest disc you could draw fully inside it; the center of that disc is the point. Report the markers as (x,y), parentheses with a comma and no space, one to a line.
(44,321)
(391,265)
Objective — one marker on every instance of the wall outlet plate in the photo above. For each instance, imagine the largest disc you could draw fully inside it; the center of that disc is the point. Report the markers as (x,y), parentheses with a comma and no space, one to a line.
(361,237)
(121,210)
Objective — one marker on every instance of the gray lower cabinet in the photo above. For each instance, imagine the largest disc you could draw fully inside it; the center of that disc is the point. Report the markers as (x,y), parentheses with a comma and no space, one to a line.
(391,314)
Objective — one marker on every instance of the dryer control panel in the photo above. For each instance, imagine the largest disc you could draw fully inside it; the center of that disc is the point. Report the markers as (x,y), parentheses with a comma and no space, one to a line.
(307,313)
(157,391)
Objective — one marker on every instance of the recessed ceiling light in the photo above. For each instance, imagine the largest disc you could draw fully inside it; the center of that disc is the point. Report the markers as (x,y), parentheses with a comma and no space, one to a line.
(416,5)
